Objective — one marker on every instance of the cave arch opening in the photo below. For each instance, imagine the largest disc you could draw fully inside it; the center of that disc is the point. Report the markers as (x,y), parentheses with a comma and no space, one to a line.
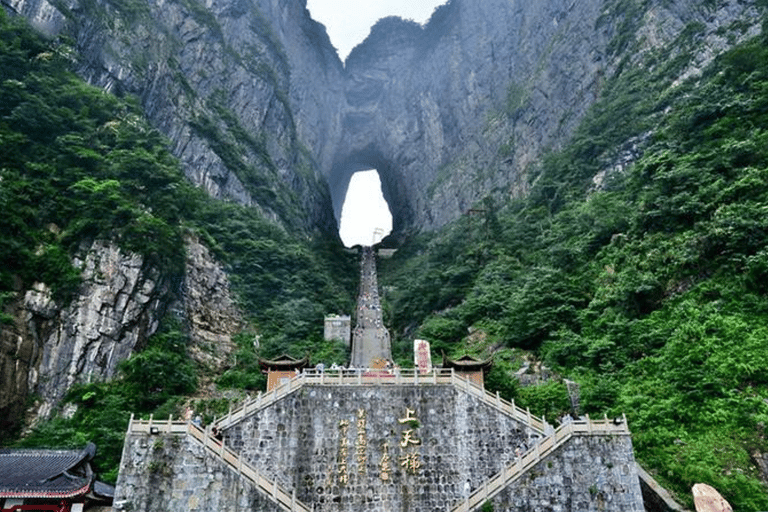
(393,188)
(365,216)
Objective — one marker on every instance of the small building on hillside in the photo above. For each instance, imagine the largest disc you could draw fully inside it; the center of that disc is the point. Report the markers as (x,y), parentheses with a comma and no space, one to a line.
(470,368)
(338,327)
(281,369)
(60,480)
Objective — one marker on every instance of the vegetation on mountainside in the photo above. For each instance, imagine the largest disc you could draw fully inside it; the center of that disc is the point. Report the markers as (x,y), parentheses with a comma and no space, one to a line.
(76,165)
(154,381)
(649,288)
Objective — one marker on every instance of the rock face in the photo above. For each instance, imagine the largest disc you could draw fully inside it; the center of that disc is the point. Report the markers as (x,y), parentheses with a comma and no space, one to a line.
(118,306)
(260,110)
(211,312)
(241,88)
(464,107)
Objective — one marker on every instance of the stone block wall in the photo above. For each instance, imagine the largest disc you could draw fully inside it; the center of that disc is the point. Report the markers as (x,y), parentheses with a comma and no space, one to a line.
(338,327)
(341,447)
(171,473)
(588,473)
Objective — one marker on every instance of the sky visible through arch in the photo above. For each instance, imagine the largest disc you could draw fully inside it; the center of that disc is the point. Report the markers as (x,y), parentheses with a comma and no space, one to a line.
(365,216)
(348,22)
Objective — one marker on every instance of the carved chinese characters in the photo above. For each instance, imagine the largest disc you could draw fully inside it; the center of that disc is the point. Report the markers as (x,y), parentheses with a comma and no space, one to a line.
(343,452)
(409,458)
(361,443)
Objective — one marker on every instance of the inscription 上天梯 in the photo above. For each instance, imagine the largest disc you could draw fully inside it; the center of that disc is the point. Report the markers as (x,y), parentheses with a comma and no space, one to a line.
(410,460)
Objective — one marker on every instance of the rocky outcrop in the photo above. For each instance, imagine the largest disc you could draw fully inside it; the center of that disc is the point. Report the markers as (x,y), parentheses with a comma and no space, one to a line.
(465,106)
(118,306)
(17,353)
(244,89)
(211,311)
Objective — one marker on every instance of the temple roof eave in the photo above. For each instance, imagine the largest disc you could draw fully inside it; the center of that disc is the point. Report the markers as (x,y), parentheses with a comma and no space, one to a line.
(284,363)
(468,364)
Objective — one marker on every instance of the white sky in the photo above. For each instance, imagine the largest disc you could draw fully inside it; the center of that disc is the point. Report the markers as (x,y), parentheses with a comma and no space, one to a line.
(364,211)
(348,22)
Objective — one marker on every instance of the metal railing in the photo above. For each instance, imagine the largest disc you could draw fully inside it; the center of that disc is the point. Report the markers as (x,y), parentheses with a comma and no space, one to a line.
(529,459)
(234,461)
(372,377)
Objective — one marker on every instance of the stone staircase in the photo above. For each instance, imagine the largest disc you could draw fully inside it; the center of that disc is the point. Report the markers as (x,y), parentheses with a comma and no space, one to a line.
(269,488)
(549,440)
(541,450)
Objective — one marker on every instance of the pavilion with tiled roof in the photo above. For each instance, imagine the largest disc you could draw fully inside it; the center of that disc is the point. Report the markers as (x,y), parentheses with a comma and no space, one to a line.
(470,367)
(281,369)
(56,477)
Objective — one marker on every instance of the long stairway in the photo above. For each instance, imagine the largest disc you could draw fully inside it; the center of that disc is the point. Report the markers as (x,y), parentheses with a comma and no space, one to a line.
(370,340)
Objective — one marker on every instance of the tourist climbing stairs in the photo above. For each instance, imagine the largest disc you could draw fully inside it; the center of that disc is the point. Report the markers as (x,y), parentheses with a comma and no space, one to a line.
(217,449)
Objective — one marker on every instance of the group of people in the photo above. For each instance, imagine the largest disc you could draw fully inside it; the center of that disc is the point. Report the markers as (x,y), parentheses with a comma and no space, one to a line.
(216,433)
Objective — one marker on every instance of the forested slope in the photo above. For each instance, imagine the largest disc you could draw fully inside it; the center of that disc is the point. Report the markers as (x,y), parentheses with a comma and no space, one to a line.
(638,267)
(78,164)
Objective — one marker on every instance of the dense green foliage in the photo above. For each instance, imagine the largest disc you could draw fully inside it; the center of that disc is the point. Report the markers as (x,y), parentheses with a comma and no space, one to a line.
(78,165)
(647,286)
(152,381)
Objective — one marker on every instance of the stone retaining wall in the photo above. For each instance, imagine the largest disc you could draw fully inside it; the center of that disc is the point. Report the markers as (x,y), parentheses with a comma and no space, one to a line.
(170,473)
(456,440)
(588,473)
(415,448)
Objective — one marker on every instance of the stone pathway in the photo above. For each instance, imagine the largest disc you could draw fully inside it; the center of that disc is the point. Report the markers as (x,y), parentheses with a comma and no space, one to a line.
(370,340)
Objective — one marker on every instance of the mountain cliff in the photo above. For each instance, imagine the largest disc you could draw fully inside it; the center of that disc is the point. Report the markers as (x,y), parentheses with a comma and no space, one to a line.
(472,110)
(464,107)
(260,110)
(226,82)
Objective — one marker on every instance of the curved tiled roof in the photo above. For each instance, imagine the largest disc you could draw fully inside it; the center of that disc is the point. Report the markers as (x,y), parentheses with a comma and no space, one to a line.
(284,362)
(468,363)
(45,473)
